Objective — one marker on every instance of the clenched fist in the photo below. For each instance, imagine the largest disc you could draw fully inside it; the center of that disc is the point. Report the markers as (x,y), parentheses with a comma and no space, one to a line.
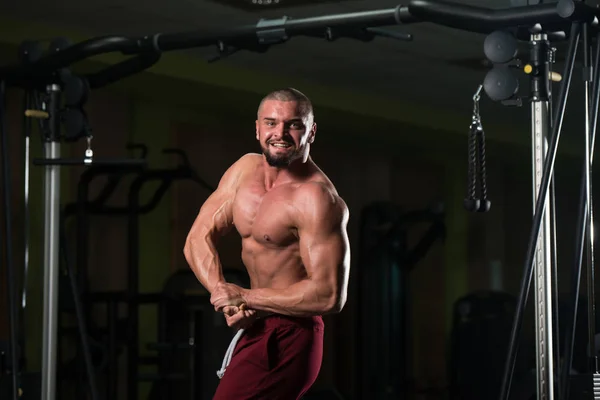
(227,294)
(239,318)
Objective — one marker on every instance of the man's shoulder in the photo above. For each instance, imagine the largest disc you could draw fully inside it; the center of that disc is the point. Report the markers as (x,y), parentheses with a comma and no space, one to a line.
(319,206)
(248,159)
(321,195)
(237,172)
(316,188)
(246,163)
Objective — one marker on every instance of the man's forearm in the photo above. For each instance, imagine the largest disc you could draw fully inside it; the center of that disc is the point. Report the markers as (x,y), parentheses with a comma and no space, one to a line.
(302,299)
(201,254)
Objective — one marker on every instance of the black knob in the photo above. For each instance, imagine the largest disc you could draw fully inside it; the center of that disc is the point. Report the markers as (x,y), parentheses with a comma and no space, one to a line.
(471,205)
(484,206)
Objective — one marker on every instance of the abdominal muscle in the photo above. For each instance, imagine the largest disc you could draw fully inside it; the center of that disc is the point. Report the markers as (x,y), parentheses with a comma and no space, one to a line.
(272,266)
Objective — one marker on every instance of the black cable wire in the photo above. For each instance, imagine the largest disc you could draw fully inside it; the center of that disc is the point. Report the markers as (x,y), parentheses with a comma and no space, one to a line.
(81,321)
(10,273)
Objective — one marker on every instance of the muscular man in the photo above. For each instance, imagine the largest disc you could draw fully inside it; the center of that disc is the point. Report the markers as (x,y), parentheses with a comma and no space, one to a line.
(294,245)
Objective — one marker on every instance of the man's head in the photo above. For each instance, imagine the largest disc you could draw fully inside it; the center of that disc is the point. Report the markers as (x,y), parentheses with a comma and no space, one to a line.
(285,127)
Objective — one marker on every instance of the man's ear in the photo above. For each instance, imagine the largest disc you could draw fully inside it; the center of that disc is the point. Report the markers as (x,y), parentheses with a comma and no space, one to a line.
(256,128)
(313,131)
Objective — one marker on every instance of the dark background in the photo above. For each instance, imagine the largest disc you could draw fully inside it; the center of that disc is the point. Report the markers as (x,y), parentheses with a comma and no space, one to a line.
(392,118)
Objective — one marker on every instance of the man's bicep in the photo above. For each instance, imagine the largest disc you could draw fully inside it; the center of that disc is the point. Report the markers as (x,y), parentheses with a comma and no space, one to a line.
(325,248)
(216,214)
(326,257)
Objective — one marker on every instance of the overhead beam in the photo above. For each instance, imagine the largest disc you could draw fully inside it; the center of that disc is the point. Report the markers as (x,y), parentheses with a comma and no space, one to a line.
(183,66)
(195,72)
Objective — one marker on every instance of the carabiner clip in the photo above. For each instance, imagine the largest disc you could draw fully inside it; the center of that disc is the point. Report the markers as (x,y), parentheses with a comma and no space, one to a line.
(476,98)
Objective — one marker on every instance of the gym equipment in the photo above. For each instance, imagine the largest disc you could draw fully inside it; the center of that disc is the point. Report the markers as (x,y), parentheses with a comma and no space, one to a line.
(544,153)
(44,83)
(476,199)
(77,274)
(82,209)
(386,262)
(166,178)
(537,24)
(81,320)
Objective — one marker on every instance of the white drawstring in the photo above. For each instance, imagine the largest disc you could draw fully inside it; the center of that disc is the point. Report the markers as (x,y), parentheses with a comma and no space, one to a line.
(229,353)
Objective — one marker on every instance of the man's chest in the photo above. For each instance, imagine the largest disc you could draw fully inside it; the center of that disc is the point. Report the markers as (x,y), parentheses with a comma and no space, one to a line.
(267,216)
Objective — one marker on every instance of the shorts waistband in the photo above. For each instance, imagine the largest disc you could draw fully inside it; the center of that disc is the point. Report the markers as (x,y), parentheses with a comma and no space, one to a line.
(277,320)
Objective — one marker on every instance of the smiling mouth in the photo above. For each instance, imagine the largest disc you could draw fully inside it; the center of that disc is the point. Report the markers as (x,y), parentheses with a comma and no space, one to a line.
(280,145)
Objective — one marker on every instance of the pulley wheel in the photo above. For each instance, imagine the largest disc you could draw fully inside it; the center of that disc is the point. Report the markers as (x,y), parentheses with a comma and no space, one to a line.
(76,91)
(75,123)
(500,83)
(500,47)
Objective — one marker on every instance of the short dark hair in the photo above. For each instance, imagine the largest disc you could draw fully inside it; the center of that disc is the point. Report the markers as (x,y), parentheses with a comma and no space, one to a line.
(290,94)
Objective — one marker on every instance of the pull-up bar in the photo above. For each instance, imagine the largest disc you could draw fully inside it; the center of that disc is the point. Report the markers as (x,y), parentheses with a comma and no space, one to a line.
(273,31)
(539,21)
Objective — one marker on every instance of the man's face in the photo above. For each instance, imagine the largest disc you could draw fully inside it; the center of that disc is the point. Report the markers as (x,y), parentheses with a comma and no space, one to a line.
(283,132)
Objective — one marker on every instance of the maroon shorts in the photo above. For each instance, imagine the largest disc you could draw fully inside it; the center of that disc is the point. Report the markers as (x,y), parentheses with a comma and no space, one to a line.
(278,357)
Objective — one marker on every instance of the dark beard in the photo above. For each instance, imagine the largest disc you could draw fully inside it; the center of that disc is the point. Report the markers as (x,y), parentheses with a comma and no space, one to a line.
(278,161)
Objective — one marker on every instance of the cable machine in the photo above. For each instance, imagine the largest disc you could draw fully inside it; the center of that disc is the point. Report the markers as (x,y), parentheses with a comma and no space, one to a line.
(47,76)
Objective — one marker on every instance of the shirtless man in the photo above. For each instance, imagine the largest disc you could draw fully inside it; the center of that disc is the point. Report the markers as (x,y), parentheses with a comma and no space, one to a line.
(294,246)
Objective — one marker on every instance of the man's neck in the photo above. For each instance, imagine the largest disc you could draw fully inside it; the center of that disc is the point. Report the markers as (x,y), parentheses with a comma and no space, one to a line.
(276,175)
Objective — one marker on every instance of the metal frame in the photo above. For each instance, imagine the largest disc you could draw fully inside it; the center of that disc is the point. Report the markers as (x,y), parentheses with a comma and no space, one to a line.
(51,261)
(544,330)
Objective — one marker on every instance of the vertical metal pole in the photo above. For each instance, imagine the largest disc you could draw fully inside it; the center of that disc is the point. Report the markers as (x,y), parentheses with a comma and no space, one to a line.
(589,231)
(27,129)
(51,247)
(555,317)
(540,207)
(543,262)
(544,330)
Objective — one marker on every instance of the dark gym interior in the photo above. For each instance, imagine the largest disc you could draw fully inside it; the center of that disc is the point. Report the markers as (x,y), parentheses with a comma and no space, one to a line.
(433,287)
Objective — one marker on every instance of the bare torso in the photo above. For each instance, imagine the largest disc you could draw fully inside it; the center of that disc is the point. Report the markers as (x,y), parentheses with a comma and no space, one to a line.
(264,218)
